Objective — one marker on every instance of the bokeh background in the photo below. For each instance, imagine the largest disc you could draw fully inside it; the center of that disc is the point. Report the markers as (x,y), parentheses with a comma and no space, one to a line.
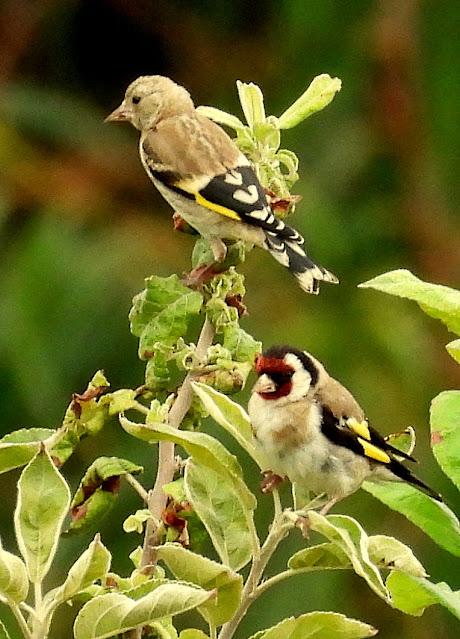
(81,226)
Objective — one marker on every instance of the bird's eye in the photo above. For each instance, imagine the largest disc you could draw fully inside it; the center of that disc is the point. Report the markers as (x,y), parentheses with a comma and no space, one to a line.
(281,378)
(136,99)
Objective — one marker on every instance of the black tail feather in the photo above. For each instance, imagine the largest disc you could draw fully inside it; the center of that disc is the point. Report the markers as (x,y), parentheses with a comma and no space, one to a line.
(286,247)
(405,474)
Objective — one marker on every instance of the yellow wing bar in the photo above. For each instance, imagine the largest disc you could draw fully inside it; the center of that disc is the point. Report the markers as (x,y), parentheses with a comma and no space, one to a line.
(222,210)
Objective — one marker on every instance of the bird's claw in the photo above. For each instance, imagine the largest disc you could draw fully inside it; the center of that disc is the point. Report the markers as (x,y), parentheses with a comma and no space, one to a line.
(270,481)
(200,275)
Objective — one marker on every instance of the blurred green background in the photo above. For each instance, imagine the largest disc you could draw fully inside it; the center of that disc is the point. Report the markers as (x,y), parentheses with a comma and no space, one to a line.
(81,226)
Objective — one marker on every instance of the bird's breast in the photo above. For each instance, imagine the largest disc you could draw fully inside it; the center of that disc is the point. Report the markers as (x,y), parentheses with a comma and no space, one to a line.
(282,430)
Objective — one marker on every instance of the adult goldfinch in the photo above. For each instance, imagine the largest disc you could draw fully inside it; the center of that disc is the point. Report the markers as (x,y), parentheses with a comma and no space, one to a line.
(199,170)
(313,431)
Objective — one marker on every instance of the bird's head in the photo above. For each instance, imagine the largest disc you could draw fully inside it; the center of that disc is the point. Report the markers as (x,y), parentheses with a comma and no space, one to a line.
(149,99)
(286,374)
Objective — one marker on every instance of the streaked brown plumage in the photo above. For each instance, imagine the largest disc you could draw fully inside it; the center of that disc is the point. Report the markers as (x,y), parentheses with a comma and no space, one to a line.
(199,170)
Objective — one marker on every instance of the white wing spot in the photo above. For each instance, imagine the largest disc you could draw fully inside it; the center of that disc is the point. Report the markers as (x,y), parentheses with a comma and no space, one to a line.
(297,248)
(248,196)
(259,214)
(233,177)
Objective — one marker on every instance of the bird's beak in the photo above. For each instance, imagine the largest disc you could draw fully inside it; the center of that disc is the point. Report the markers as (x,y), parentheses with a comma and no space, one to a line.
(264,385)
(121,114)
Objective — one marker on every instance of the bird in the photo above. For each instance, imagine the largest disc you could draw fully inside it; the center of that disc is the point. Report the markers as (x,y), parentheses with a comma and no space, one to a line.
(312,430)
(203,175)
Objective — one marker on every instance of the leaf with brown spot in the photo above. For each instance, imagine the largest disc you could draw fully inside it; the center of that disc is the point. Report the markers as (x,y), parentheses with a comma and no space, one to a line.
(98,491)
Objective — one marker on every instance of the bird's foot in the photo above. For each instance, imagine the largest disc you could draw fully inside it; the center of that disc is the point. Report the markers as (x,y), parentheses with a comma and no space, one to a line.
(304,525)
(328,505)
(270,481)
(200,275)
(179,224)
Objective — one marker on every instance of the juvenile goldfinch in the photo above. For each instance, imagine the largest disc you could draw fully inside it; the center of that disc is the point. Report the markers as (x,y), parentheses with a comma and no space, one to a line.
(199,170)
(313,431)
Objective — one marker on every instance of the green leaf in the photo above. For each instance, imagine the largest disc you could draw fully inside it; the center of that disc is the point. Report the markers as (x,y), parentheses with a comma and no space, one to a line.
(319,94)
(241,345)
(445,433)
(85,415)
(453,348)
(433,517)
(43,502)
(413,594)
(350,538)
(18,448)
(404,441)
(385,552)
(98,490)
(135,522)
(320,557)
(87,515)
(91,566)
(224,513)
(119,401)
(252,102)
(318,625)
(188,566)
(388,552)
(232,417)
(203,448)
(221,117)
(115,613)
(4,632)
(164,629)
(440,302)
(176,490)
(161,313)
(193,633)
(14,583)
(267,133)
(290,160)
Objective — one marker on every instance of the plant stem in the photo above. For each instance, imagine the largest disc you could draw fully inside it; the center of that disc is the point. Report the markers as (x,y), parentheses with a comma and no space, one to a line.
(166,462)
(138,487)
(251,591)
(268,583)
(20,619)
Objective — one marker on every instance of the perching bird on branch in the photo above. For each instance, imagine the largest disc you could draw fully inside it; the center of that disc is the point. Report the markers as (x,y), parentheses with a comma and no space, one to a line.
(313,431)
(200,171)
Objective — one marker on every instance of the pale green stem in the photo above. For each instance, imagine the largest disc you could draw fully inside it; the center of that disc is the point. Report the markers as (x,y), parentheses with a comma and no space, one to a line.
(166,461)
(27,608)
(212,631)
(281,576)
(277,503)
(278,531)
(22,623)
(138,487)
(141,408)
(38,595)
(166,458)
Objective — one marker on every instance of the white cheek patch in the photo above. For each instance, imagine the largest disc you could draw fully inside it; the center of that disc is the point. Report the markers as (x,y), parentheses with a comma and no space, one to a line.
(301,380)
(248,196)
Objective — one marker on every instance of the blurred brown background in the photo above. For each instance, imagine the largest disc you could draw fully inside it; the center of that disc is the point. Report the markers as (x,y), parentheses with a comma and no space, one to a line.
(81,226)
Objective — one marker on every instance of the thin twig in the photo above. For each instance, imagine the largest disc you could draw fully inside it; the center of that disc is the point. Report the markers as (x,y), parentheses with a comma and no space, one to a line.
(277,532)
(166,461)
(281,576)
(167,464)
(141,408)
(20,619)
(138,487)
